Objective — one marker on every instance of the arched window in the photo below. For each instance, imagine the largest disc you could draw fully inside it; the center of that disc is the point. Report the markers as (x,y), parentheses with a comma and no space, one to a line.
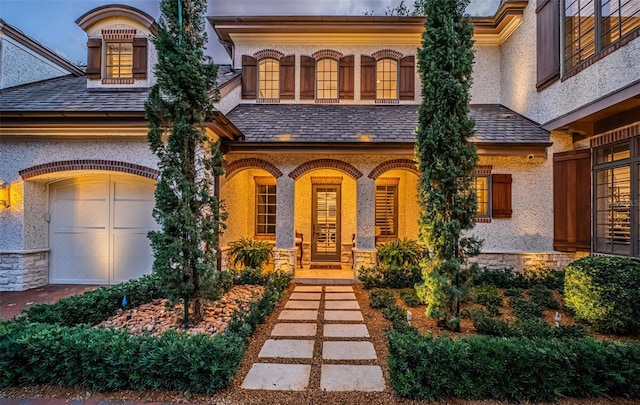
(386,79)
(269,78)
(327,79)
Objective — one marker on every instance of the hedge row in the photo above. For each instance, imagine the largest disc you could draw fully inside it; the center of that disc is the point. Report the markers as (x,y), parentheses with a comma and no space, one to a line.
(107,359)
(422,367)
(390,276)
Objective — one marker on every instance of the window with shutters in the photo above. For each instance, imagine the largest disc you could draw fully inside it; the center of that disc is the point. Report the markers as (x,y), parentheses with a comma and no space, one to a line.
(590,26)
(387,79)
(265,206)
(327,79)
(617,192)
(386,208)
(119,60)
(269,78)
(481,187)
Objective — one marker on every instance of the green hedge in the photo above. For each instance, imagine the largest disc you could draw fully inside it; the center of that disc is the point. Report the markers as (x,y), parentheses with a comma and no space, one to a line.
(605,292)
(422,367)
(508,278)
(107,359)
(390,276)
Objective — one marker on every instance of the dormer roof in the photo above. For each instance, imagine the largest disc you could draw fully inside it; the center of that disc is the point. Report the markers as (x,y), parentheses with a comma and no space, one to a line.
(90,18)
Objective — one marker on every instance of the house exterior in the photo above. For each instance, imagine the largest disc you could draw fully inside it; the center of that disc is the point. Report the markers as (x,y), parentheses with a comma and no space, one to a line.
(317,122)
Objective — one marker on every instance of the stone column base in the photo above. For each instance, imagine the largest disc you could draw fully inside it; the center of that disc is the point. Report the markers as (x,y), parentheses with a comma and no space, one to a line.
(364,258)
(22,270)
(284,260)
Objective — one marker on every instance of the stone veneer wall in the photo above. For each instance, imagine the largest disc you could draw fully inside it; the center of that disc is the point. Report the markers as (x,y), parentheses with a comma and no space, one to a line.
(526,261)
(24,270)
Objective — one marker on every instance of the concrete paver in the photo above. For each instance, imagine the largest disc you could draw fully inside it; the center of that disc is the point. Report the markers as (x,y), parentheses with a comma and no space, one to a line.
(348,351)
(338,288)
(294,329)
(288,349)
(278,377)
(298,315)
(305,296)
(345,331)
(343,316)
(302,304)
(308,288)
(338,296)
(339,377)
(341,305)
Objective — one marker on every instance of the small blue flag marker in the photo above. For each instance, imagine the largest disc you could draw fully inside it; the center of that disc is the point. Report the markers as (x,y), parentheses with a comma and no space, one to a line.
(124,301)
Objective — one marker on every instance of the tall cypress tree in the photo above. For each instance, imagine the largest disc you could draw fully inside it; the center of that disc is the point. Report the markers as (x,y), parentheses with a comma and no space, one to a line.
(446,159)
(178,106)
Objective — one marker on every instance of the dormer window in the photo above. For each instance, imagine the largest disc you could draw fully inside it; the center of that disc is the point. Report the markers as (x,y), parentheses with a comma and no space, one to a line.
(327,79)
(119,60)
(269,78)
(387,79)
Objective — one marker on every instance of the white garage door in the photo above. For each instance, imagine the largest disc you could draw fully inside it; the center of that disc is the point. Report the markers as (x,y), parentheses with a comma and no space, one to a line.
(98,229)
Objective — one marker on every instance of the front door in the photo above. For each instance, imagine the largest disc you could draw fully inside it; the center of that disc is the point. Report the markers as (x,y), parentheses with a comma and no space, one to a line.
(325,222)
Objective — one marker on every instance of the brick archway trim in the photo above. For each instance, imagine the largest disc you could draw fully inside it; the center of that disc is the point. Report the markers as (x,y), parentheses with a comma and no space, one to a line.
(252,162)
(324,164)
(387,53)
(89,164)
(268,53)
(327,53)
(393,164)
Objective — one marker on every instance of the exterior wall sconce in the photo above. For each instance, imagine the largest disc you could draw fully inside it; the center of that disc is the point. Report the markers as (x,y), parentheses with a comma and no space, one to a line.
(5,195)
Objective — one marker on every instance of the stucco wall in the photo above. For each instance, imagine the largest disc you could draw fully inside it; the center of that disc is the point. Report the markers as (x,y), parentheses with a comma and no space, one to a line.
(518,76)
(21,65)
(23,224)
(408,207)
(230,100)
(530,229)
(485,88)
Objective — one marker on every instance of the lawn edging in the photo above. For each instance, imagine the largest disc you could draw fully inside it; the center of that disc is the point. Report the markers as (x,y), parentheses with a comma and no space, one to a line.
(109,360)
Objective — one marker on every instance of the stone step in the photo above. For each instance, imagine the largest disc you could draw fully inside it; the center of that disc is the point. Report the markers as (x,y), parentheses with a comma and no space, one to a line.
(325,281)
(338,288)
(338,296)
(305,296)
(298,315)
(339,377)
(302,304)
(341,305)
(278,377)
(343,316)
(294,329)
(345,330)
(308,288)
(288,349)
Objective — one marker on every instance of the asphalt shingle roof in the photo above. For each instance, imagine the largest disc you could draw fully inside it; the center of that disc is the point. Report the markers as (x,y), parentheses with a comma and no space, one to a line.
(373,123)
(226,74)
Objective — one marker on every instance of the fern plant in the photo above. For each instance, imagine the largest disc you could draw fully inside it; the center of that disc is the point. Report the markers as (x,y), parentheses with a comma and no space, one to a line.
(400,252)
(250,253)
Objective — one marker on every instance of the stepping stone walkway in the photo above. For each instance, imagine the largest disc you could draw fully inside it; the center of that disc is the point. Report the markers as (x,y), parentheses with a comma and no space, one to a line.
(347,359)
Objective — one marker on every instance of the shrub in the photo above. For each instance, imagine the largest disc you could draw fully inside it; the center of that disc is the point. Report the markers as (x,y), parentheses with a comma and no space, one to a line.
(379,298)
(400,252)
(250,275)
(410,298)
(513,292)
(543,297)
(488,295)
(95,306)
(423,367)
(250,253)
(525,309)
(390,277)
(108,359)
(605,292)
(508,278)
(530,327)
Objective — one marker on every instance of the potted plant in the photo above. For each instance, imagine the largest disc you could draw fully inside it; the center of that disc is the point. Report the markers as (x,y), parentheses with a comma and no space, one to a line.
(252,253)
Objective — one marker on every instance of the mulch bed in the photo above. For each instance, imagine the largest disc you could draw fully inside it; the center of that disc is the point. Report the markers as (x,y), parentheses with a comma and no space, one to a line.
(377,326)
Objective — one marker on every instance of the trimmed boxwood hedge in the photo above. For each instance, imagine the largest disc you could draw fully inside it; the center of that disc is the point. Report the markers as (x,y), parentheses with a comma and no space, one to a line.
(422,367)
(390,276)
(106,359)
(605,292)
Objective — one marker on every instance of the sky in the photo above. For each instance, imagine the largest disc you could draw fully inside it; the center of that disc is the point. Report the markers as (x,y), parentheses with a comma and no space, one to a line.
(52,22)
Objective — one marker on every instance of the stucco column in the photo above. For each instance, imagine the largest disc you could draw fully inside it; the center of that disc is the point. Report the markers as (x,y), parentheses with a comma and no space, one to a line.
(284,254)
(365,250)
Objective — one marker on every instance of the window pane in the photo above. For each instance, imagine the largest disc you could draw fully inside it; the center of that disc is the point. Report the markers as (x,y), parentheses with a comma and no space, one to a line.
(386,79)
(327,79)
(386,210)
(119,60)
(269,78)
(579,31)
(481,187)
(265,209)
(613,210)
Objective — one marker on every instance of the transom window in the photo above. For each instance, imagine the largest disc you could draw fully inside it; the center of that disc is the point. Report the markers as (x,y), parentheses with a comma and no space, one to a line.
(265,206)
(387,79)
(386,208)
(269,78)
(592,25)
(481,187)
(119,60)
(617,192)
(327,79)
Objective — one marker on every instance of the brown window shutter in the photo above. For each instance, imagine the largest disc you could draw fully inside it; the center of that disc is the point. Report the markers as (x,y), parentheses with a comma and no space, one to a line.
(367,77)
(548,42)
(407,76)
(345,77)
(140,58)
(288,77)
(94,58)
(307,77)
(249,76)
(501,196)
(572,200)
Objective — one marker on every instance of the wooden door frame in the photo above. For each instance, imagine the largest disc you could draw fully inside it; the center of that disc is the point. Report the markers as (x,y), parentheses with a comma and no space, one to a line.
(314,208)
